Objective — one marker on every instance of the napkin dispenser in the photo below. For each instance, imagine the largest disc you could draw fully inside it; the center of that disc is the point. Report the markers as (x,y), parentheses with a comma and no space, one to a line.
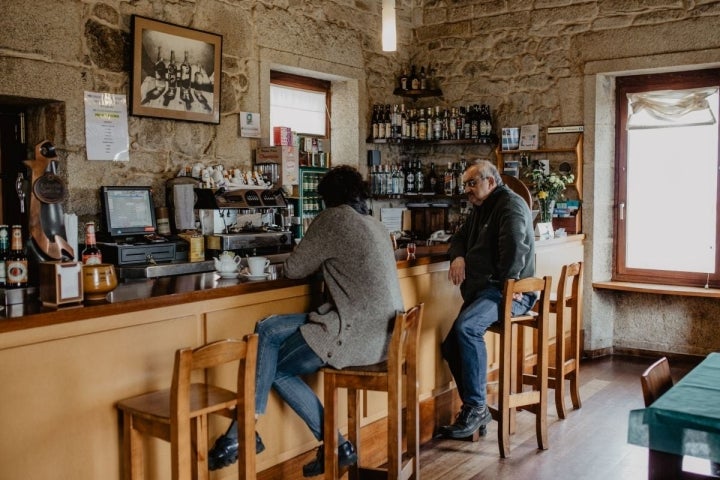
(60,283)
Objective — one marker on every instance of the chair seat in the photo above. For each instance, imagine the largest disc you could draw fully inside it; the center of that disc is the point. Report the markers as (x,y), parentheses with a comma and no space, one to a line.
(204,399)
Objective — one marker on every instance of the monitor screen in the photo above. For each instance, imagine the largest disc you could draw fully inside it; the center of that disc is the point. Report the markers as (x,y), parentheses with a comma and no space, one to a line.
(128,211)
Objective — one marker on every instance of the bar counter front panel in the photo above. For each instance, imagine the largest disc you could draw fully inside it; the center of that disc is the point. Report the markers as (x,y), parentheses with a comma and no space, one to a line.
(62,372)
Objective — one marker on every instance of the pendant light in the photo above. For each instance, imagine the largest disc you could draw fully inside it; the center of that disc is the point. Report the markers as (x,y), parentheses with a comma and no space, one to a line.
(389,29)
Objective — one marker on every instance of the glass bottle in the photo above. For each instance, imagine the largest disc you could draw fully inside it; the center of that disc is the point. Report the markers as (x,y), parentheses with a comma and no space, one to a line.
(432,180)
(185,77)
(404,85)
(410,179)
(419,177)
(91,255)
(423,79)
(414,80)
(16,264)
(388,123)
(160,71)
(422,125)
(172,71)
(449,180)
(375,122)
(4,251)
(437,124)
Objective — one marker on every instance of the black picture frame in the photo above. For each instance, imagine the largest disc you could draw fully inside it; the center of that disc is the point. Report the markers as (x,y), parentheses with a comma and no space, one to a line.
(176,72)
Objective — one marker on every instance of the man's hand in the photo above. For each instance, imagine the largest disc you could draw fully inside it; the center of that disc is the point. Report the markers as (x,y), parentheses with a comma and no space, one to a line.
(456,274)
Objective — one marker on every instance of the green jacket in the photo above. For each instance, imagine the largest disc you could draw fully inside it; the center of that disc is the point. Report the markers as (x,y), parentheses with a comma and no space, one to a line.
(497,241)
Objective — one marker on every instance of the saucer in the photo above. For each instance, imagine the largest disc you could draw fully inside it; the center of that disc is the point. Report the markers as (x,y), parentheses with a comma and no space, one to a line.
(254,278)
(228,274)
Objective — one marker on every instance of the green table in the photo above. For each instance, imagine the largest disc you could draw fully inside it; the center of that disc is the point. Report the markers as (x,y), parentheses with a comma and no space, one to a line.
(683,421)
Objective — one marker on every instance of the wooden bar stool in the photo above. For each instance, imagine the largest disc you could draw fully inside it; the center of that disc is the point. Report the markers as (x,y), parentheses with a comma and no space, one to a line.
(179,414)
(511,395)
(567,357)
(389,376)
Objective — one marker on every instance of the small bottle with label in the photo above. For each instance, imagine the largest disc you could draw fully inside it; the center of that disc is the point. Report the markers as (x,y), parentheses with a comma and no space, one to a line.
(91,255)
(16,265)
(4,251)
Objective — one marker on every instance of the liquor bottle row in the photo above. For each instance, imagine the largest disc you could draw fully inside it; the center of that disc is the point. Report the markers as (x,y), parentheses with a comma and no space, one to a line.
(411,178)
(415,79)
(14,260)
(433,123)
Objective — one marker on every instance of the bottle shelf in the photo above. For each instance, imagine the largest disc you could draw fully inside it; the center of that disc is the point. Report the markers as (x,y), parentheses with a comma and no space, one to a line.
(415,94)
(490,140)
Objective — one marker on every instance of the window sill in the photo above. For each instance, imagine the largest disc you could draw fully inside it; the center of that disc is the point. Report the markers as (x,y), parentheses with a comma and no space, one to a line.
(676,290)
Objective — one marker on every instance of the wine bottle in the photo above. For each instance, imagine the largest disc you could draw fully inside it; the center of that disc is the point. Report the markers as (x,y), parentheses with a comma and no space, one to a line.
(388,123)
(185,77)
(414,80)
(17,263)
(432,180)
(4,250)
(91,255)
(160,71)
(419,177)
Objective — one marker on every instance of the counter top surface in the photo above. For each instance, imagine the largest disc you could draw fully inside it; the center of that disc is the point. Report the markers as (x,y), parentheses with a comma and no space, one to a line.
(143,294)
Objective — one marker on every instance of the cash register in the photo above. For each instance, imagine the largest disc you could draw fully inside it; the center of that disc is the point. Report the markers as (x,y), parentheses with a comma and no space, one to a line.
(130,239)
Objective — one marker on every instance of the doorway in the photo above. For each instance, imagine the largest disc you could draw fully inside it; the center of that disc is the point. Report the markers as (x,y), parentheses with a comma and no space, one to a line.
(12,154)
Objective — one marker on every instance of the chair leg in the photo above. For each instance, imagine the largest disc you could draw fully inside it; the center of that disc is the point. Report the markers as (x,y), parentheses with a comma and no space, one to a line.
(354,429)
(394,429)
(199,448)
(132,449)
(575,386)
(542,383)
(504,394)
(412,426)
(330,427)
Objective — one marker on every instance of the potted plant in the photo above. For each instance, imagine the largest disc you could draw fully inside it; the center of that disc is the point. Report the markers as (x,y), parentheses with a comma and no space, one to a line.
(548,187)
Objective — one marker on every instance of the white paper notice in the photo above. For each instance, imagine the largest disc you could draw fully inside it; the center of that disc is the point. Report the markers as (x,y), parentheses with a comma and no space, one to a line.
(392,218)
(106,126)
(250,124)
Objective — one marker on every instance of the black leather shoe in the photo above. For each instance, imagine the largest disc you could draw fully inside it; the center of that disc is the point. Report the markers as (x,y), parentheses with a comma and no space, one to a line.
(467,422)
(225,451)
(346,457)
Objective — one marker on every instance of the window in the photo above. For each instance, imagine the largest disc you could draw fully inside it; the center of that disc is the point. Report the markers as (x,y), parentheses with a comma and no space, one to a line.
(301,103)
(666,220)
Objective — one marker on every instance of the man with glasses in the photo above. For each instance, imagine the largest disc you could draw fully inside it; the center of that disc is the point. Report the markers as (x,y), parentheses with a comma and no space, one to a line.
(496,243)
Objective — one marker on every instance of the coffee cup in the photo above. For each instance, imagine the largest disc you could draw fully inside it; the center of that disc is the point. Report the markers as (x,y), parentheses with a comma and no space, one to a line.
(257,265)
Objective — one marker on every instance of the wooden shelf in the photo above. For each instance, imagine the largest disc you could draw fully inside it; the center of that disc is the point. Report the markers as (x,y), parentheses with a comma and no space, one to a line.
(577,151)
(491,140)
(415,94)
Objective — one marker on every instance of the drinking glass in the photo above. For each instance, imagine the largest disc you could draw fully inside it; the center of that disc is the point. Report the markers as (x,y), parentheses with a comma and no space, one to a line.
(410,248)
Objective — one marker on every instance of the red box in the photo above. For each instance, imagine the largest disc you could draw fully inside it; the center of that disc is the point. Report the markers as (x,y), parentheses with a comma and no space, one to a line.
(282,136)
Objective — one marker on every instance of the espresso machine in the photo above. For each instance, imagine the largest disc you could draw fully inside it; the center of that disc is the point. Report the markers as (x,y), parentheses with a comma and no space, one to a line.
(247,221)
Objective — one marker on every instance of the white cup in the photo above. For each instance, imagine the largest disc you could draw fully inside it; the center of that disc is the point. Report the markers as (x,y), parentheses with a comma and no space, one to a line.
(258,265)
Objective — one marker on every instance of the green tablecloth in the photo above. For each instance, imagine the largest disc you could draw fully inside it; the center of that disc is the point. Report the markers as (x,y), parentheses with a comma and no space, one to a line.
(686,419)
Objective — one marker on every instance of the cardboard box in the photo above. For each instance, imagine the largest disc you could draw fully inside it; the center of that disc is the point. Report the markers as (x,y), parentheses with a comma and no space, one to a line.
(282,136)
(286,157)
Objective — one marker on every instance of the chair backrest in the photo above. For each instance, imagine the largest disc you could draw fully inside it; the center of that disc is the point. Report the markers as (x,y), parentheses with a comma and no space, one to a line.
(405,341)
(656,380)
(183,396)
(519,187)
(526,285)
(570,275)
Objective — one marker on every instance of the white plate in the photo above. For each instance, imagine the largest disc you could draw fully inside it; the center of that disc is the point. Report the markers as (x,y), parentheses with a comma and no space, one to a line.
(228,274)
(254,278)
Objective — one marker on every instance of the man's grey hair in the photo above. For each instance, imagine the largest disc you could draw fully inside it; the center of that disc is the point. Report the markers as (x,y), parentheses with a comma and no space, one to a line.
(487,169)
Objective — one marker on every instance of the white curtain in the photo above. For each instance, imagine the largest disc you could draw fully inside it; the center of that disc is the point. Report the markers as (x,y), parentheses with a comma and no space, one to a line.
(670,108)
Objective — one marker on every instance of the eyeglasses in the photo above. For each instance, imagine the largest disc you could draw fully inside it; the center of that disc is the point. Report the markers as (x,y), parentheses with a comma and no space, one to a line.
(472,183)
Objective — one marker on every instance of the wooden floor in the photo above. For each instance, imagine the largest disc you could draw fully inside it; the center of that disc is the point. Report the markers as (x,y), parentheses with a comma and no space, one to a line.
(591,443)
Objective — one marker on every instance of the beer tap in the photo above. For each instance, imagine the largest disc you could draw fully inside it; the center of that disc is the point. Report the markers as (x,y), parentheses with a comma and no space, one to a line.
(20,190)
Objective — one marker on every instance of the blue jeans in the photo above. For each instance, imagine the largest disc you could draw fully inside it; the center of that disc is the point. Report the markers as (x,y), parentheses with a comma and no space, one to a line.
(283,355)
(464,347)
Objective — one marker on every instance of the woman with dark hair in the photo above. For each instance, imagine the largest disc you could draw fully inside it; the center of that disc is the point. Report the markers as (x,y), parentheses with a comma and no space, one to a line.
(353,252)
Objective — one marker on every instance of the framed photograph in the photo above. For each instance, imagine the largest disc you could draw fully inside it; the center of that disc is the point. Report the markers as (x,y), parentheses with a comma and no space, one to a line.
(176,72)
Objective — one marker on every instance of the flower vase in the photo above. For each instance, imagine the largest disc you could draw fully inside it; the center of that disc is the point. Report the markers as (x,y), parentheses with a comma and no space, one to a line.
(544,227)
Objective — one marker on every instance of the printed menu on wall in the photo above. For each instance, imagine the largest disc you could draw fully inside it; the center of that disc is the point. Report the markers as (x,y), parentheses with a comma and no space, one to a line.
(106,126)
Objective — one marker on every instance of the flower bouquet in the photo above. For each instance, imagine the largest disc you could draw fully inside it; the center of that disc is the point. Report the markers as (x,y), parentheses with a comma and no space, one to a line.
(548,187)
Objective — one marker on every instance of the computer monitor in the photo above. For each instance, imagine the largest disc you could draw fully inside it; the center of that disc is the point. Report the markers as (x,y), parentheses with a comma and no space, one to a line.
(128,211)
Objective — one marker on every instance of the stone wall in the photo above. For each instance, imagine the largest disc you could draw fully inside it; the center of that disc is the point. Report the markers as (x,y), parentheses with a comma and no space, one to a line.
(548,62)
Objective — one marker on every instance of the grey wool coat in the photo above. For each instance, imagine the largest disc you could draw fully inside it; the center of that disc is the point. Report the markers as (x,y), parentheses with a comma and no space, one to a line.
(354,254)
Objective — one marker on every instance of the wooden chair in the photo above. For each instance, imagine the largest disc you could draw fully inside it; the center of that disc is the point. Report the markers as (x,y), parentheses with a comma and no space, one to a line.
(567,357)
(389,376)
(179,414)
(566,364)
(656,380)
(519,187)
(510,398)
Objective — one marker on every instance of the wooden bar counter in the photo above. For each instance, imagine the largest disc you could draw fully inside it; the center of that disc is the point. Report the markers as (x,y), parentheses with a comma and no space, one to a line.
(62,371)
